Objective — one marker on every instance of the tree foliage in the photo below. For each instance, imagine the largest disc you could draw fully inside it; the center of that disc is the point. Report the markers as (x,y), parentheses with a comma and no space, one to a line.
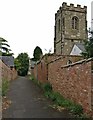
(89,47)
(37,53)
(5,48)
(22,64)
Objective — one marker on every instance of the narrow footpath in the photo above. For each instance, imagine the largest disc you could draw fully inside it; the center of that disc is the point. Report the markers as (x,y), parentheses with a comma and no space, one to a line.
(28,101)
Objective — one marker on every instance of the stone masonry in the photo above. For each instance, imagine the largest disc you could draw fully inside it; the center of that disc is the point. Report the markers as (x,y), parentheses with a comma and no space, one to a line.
(70,27)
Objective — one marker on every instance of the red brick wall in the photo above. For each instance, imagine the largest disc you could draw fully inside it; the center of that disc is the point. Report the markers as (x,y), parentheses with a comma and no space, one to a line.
(13,74)
(73,82)
(40,70)
(34,71)
(6,72)
(65,58)
(92,94)
(92,87)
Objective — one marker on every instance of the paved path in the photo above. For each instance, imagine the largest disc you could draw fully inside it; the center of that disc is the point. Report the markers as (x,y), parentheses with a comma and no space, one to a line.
(28,101)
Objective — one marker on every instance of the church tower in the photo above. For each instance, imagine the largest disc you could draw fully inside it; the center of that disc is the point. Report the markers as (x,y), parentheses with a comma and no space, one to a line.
(70,27)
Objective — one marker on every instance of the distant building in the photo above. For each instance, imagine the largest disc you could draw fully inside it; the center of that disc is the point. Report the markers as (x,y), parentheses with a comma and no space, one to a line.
(70,27)
(8,60)
(77,49)
(31,66)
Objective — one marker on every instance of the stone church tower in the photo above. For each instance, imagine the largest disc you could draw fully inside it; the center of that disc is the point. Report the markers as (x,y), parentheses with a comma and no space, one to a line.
(70,27)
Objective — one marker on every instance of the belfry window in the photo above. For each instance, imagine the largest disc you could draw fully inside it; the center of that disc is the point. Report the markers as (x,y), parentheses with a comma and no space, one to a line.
(75,23)
(63,21)
(59,25)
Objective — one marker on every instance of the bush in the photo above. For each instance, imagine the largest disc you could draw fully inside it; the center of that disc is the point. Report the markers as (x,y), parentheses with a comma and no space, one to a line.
(5,85)
(47,87)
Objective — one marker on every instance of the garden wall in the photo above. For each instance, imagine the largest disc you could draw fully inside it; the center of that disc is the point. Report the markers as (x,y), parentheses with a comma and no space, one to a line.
(40,71)
(92,87)
(74,81)
(6,72)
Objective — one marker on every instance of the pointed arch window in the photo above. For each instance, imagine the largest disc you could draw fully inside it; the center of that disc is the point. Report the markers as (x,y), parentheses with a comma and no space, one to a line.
(75,23)
(59,23)
(63,22)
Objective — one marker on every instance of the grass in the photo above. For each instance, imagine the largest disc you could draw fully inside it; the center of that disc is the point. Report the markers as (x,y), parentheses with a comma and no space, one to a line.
(47,87)
(5,85)
(59,100)
(35,81)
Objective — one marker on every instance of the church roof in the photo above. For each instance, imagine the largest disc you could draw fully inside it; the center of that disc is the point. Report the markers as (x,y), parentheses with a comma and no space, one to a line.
(80,46)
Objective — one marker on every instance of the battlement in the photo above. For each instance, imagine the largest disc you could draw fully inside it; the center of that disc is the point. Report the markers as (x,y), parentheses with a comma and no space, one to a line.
(71,7)
(64,5)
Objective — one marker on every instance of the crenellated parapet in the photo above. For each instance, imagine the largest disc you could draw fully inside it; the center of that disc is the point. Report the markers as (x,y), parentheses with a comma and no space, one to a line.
(71,7)
(70,27)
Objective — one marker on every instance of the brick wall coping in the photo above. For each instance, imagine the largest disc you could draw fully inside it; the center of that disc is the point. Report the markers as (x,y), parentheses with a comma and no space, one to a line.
(51,55)
(63,56)
(79,62)
(59,57)
(56,59)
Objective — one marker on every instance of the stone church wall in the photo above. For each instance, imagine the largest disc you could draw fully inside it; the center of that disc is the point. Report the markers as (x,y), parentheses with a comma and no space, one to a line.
(65,35)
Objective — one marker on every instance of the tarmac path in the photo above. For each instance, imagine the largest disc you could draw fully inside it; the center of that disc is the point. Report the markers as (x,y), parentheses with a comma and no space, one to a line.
(28,101)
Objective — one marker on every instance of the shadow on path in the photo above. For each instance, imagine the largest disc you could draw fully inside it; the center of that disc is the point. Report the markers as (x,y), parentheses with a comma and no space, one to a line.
(28,101)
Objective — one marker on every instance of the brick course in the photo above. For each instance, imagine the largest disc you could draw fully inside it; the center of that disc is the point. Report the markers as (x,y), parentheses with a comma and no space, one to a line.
(6,72)
(73,82)
(40,70)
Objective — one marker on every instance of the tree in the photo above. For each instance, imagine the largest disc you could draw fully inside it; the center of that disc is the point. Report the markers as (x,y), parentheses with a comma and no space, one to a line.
(37,53)
(17,64)
(4,48)
(22,64)
(89,46)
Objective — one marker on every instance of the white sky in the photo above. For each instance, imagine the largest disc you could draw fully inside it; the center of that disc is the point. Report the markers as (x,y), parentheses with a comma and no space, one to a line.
(28,23)
(92,15)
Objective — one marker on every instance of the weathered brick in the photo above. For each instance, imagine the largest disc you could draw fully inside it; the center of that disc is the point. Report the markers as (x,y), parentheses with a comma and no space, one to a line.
(73,82)
(6,72)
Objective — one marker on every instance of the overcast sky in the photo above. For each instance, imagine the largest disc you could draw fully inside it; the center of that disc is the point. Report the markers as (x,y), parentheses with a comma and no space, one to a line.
(30,23)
